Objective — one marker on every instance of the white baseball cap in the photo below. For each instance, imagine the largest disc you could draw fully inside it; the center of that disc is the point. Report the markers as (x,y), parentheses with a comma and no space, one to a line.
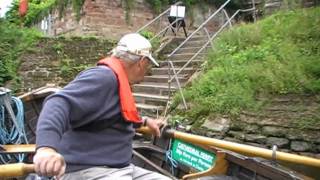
(136,44)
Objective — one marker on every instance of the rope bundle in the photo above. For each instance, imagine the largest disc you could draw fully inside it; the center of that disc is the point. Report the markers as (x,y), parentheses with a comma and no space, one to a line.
(11,127)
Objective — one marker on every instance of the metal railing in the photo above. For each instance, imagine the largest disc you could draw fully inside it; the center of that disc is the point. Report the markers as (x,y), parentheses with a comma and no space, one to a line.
(209,41)
(160,25)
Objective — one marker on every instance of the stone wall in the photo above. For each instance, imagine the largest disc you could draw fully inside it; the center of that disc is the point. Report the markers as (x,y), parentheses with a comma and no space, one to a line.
(109,18)
(58,60)
(291,122)
(272,6)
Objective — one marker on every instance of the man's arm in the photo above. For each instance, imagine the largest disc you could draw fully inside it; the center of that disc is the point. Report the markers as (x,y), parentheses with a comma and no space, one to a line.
(69,108)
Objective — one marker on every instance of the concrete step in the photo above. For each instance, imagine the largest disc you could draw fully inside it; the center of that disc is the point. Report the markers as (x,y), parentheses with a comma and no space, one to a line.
(149,110)
(154,88)
(164,78)
(164,70)
(185,56)
(180,63)
(150,99)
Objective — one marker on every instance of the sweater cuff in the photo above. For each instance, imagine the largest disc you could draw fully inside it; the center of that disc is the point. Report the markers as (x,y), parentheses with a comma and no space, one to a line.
(48,139)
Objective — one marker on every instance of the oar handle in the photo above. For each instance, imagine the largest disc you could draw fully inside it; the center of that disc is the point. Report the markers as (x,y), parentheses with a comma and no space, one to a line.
(17,169)
(144,130)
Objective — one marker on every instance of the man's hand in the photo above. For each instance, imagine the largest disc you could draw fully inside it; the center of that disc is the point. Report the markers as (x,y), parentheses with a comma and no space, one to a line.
(49,163)
(154,125)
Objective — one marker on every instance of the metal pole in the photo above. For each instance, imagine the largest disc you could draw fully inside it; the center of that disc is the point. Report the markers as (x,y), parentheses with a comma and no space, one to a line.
(254,11)
(159,16)
(179,86)
(200,27)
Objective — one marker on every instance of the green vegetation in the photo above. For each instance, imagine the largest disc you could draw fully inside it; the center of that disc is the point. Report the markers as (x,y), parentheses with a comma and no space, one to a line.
(278,55)
(70,62)
(14,41)
(69,68)
(69,55)
(155,41)
(38,9)
(128,5)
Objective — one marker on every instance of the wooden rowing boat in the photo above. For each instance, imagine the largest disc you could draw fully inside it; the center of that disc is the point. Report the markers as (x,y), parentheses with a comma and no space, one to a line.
(176,154)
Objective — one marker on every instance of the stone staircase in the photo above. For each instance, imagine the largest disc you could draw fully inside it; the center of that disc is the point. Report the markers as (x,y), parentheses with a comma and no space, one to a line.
(152,94)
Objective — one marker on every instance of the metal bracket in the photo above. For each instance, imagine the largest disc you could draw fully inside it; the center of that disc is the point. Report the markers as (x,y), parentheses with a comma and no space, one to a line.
(274,154)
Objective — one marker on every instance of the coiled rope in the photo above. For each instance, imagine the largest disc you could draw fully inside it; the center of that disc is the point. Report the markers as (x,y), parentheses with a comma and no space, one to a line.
(12,129)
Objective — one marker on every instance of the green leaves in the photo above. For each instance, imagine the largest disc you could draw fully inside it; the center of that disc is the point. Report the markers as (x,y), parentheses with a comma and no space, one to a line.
(155,41)
(37,10)
(13,42)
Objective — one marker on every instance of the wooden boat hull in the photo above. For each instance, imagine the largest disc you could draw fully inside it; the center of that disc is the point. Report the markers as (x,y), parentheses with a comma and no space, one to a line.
(152,153)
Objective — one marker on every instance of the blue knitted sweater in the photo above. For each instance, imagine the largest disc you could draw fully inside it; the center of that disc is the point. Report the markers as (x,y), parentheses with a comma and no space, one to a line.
(83,122)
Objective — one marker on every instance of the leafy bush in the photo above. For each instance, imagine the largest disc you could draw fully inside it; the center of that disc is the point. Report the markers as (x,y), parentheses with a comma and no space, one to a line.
(278,55)
(155,41)
(38,9)
(14,41)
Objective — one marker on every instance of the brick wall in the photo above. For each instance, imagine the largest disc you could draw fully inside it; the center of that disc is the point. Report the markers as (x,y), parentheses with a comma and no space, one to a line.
(103,18)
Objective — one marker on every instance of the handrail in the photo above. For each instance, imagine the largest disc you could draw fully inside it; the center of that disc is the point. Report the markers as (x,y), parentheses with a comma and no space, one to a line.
(178,83)
(199,28)
(209,41)
(174,51)
(165,29)
(156,18)
(175,74)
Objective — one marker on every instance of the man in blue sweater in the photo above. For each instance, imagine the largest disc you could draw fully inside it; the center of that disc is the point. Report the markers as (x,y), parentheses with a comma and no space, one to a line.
(85,130)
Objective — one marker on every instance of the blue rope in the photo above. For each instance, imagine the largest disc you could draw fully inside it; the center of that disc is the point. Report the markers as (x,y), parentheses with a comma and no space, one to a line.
(173,163)
(13,134)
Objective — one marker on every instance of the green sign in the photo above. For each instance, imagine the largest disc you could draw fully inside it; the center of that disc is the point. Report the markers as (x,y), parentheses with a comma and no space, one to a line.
(192,155)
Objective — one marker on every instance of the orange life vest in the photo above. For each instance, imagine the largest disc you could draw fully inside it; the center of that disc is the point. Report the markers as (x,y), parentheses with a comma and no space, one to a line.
(23,7)
(128,106)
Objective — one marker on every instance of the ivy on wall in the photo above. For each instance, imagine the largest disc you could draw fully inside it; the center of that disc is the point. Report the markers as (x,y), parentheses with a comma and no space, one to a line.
(38,9)
(128,6)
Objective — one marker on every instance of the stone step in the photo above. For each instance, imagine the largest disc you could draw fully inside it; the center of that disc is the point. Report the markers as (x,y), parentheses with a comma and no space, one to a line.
(183,50)
(198,38)
(185,56)
(164,70)
(164,78)
(180,63)
(194,43)
(150,99)
(154,88)
(150,110)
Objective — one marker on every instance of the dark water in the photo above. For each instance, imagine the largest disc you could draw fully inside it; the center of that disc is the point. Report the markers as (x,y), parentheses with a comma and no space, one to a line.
(312,172)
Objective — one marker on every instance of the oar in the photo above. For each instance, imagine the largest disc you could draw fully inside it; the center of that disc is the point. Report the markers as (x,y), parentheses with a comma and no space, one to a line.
(243,149)
(18,148)
(20,169)
(16,169)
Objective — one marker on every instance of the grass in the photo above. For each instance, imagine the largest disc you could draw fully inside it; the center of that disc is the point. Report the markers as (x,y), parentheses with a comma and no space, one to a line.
(277,55)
